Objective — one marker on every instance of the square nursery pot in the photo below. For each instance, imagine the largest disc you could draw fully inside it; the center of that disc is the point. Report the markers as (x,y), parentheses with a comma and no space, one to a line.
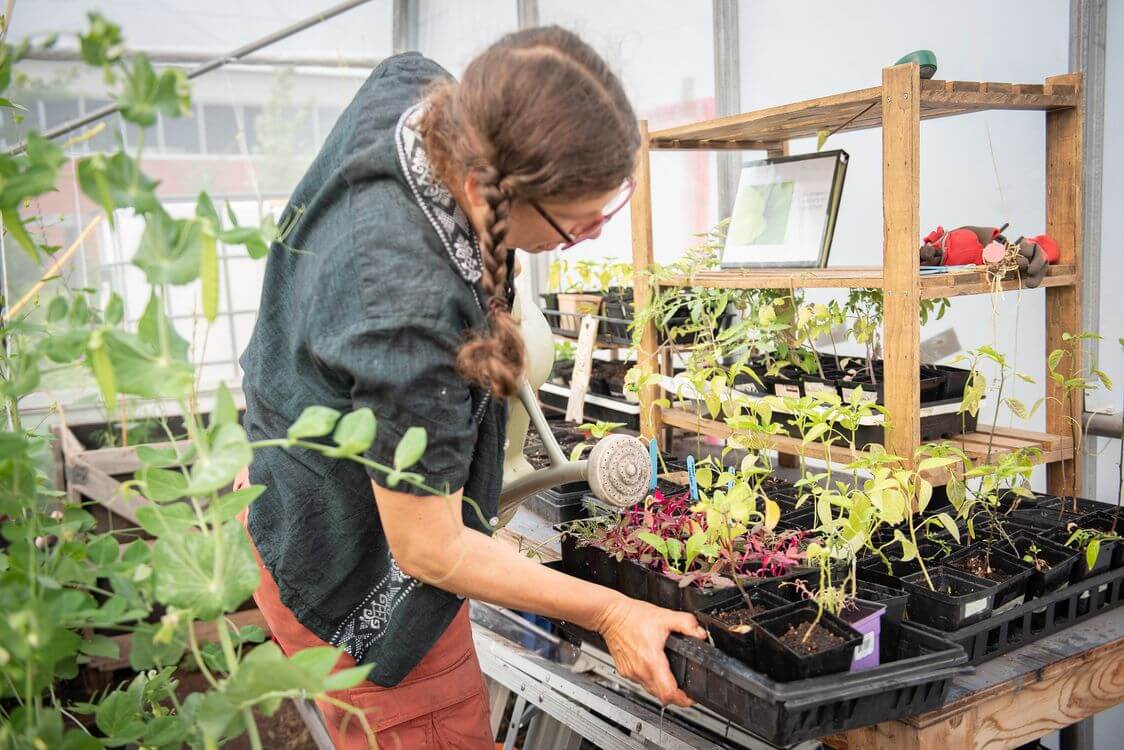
(959,599)
(893,598)
(1009,573)
(784,663)
(738,643)
(1081,568)
(866,618)
(830,382)
(1060,561)
(617,305)
(573,307)
(955,381)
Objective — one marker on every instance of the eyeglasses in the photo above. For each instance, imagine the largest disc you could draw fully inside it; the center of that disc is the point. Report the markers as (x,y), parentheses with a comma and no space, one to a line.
(585,231)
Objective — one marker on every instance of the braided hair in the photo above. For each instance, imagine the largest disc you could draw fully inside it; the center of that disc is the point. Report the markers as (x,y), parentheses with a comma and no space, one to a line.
(537,116)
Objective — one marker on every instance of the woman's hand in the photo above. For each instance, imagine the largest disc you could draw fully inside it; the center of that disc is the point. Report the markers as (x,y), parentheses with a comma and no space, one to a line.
(241,479)
(635,632)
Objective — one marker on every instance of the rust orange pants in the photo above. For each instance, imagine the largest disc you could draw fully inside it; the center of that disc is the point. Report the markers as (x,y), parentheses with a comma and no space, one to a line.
(442,702)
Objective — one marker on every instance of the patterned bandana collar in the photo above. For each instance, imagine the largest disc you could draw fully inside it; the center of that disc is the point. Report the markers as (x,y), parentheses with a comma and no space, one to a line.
(435,199)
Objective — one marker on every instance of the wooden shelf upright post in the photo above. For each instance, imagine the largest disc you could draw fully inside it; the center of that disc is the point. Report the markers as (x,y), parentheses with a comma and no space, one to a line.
(643,257)
(1064,157)
(901,226)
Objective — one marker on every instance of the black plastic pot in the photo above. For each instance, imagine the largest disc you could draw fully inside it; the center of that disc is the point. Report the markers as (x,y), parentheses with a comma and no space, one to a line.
(617,306)
(932,382)
(1081,568)
(956,380)
(892,598)
(557,506)
(736,644)
(830,382)
(1018,572)
(632,579)
(1084,505)
(959,599)
(1060,559)
(1042,519)
(776,659)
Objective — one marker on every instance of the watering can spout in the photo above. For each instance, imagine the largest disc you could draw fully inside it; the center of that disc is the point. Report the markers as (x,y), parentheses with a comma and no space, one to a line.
(618,469)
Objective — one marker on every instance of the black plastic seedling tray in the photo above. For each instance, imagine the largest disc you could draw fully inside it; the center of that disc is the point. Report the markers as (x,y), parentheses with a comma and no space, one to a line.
(917,668)
(559,505)
(1028,622)
(633,579)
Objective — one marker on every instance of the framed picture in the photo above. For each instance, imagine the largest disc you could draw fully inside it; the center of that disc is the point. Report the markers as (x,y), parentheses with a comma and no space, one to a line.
(784,211)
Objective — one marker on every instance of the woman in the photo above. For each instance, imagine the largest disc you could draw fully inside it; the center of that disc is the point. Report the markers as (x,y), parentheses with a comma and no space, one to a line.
(393,292)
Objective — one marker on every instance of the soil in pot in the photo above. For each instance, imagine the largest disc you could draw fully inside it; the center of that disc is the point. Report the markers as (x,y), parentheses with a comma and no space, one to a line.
(792,645)
(979,566)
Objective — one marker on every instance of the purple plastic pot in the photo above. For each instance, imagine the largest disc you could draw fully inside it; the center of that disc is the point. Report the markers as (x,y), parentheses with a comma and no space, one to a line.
(866,617)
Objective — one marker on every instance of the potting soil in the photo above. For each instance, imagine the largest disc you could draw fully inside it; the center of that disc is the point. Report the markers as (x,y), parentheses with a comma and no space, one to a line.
(819,640)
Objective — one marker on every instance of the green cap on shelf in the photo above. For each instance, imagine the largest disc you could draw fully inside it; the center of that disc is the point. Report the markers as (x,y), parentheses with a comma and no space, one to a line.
(924,58)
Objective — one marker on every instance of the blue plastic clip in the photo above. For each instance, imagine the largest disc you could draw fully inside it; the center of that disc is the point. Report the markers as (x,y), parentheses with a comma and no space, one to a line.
(694,485)
(654,453)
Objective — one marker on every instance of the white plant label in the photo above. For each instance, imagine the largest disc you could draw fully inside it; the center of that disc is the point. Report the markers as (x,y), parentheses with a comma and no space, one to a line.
(973,608)
(583,365)
(864,649)
(783,389)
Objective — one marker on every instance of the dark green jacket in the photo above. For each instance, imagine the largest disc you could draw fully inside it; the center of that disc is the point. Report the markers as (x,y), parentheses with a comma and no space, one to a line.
(365,304)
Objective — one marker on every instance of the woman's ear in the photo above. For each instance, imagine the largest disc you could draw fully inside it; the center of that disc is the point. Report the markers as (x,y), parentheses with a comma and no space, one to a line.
(472,190)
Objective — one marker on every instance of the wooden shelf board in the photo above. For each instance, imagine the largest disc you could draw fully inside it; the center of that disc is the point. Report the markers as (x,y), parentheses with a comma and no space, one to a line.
(952,284)
(976,444)
(858,110)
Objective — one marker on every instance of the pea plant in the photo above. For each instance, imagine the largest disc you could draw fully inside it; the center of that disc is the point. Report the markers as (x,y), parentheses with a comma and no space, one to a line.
(66,586)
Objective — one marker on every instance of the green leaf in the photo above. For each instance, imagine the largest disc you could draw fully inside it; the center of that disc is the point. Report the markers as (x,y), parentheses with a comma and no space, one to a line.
(205,209)
(66,347)
(346,678)
(355,432)
(821,138)
(103,551)
(102,367)
(314,421)
(410,448)
(224,411)
(149,331)
(162,485)
(186,577)
(1054,358)
(118,716)
(655,542)
(232,503)
(924,494)
(115,182)
(114,309)
(100,645)
(170,249)
(227,453)
(102,44)
(148,653)
(152,456)
(165,520)
(144,92)
(1092,552)
(141,372)
(56,309)
(165,731)
(949,525)
(936,462)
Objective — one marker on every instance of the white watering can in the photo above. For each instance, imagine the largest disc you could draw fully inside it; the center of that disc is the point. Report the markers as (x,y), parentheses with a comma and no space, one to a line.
(618,468)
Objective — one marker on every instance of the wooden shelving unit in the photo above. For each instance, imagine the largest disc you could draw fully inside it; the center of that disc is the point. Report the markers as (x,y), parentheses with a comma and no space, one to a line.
(897,107)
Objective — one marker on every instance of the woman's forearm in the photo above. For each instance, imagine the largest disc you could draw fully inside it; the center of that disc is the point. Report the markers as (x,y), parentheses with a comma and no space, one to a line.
(480,567)
(430,542)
